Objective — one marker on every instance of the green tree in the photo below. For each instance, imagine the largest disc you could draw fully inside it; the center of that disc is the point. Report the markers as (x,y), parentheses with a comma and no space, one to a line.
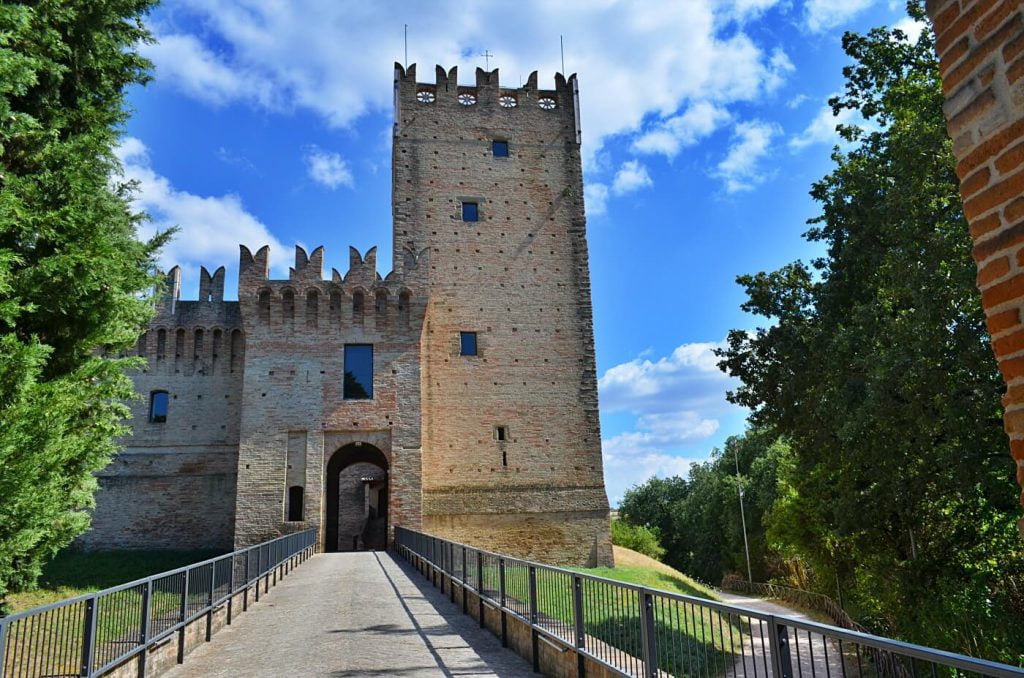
(877,370)
(651,505)
(73,274)
(637,538)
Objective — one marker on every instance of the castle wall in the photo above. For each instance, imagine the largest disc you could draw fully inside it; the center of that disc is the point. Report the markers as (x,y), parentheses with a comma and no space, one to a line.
(519,278)
(981,55)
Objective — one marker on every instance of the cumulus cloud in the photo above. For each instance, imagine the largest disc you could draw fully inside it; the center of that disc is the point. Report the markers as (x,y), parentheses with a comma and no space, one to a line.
(670,135)
(822,128)
(333,57)
(328,168)
(595,198)
(210,227)
(822,15)
(677,401)
(632,176)
(741,169)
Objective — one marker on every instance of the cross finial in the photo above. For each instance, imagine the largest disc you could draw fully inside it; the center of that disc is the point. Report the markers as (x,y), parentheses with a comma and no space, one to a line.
(487,60)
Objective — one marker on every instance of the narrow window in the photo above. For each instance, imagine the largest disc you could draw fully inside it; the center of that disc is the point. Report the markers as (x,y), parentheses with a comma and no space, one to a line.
(288,305)
(263,301)
(158,407)
(295,503)
(358,372)
(312,308)
(499,148)
(470,211)
(381,302)
(218,341)
(467,343)
(501,433)
(403,307)
(237,347)
(197,345)
(179,344)
(335,305)
(161,344)
(358,303)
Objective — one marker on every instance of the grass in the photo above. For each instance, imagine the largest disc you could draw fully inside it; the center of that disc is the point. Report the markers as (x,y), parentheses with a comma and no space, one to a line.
(72,573)
(636,568)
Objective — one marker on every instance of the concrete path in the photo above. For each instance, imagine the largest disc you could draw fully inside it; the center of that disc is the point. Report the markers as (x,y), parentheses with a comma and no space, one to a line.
(812,654)
(353,614)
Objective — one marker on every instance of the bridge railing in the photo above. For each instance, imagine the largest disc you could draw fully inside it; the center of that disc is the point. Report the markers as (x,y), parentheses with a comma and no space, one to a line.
(91,634)
(638,631)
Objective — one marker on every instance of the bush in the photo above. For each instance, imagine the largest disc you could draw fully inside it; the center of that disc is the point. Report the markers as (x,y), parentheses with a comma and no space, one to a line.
(637,538)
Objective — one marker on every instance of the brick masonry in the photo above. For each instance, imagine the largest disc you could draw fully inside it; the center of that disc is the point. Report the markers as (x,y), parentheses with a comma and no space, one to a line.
(255,385)
(980,44)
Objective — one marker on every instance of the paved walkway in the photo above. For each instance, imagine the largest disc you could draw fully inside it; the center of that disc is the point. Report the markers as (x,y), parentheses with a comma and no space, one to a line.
(811,653)
(353,614)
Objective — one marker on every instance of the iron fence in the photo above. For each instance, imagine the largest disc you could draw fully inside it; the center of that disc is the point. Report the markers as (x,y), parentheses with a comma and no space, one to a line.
(638,631)
(91,634)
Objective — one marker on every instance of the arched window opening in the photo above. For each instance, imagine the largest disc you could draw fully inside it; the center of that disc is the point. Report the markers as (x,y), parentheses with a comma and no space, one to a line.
(179,344)
(295,493)
(358,302)
(288,306)
(197,345)
(312,308)
(236,350)
(161,344)
(140,346)
(158,407)
(263,302)
(380,306)
(403,307)
(218,341)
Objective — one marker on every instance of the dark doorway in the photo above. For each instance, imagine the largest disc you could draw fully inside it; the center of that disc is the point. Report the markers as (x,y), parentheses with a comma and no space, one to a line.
(357,499)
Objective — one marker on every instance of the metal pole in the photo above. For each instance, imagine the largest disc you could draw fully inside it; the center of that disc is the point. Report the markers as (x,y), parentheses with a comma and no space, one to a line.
(743,517)
(778,640)
(147,601)
(647,631)
(184,615)
(89,640)
(3,651)
(534,636)
(501,600)
(577,616)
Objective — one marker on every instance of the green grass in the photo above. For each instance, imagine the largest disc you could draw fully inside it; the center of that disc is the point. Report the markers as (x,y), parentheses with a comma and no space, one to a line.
(72,573)
(653,579)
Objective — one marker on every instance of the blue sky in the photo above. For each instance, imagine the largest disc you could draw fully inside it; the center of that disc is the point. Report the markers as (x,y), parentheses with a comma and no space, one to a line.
(704,125)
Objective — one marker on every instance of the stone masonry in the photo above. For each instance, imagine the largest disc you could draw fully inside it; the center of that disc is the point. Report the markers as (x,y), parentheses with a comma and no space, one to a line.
(980,44)
(501,449)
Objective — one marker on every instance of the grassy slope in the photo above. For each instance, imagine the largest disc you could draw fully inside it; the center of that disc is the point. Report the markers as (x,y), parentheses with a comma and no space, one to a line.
(637,568)
(71,574)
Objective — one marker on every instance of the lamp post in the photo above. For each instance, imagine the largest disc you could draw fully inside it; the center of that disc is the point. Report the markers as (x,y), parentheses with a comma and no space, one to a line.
(743,517)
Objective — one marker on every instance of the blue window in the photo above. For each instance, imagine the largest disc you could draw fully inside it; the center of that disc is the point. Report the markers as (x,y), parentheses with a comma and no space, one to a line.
(499,149)
(467,343)
(470,211)
(158,407)
(358,372)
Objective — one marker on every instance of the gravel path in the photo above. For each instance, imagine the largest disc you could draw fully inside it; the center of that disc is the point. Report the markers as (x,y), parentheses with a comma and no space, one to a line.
(353,614)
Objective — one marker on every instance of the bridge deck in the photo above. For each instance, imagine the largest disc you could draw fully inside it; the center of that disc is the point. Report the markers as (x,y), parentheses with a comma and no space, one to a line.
(353,614)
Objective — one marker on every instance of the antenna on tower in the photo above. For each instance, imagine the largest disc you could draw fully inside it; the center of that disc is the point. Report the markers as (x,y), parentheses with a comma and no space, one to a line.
(561,45)
(487,60)
(406,46)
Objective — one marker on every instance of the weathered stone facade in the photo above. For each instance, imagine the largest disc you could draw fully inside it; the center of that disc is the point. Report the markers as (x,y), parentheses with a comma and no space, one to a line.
(980,44)
(501,449)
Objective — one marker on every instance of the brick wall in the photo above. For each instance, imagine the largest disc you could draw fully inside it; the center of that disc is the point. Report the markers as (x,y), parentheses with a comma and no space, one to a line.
(980,44)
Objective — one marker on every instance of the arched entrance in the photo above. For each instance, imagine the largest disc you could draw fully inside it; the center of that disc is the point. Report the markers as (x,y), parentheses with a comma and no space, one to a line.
(357,499)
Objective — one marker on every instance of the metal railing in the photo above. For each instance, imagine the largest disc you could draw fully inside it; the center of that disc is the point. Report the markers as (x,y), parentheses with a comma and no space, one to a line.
(91,634)
(806,599)
(638,631)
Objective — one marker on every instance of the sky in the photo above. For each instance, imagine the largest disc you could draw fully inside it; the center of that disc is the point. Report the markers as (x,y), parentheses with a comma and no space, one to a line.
(704,125)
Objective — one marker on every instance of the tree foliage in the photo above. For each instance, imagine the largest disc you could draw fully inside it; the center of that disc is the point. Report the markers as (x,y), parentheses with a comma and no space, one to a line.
(877,369)
(637,538)
(72,271)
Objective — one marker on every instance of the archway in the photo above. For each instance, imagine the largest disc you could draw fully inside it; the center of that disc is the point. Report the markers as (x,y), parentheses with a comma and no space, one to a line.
(357,499)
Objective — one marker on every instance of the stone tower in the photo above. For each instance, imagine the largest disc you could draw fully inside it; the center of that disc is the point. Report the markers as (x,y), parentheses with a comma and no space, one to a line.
(488,182)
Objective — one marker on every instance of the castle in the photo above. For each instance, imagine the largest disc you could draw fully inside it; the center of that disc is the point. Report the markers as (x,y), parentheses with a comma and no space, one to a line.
(457,394)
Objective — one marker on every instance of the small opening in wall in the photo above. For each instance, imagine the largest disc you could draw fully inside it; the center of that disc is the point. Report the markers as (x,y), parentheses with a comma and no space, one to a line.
(158,407)
(501,433)
(499,148)
(470,211)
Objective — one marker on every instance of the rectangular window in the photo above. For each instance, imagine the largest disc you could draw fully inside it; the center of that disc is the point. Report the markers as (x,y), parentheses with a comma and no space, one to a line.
(500,433)
(158,407)
(467,343)
(358,371)
(500,149)
(470,211)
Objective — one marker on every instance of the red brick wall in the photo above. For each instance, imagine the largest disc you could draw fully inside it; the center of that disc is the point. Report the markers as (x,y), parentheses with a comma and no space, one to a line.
(980,44)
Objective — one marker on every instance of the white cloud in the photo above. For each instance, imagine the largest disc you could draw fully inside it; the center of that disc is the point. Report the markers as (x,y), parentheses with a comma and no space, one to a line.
(334,57)
(822,15)
(677,401)
(632,176)
(822,128)
(210,227)
(741,168)
(595,198)
(328,168)
(911,27)
(670,135)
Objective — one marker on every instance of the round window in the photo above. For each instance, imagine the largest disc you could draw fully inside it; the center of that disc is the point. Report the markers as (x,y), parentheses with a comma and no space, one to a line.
(425,97)
(507,101)
(467,99)
(547,103)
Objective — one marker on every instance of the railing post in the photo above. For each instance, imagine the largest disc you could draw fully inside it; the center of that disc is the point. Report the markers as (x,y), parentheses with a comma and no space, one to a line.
(147,602)
(647,632)
(245,591)
(231,588)
(3,645)
(88,636)
(778,639)
(209,600)
(451,571)
(183,614)
(259,572)
(465,578)
(501,602)
(480,587)
(534,635)
(581,629)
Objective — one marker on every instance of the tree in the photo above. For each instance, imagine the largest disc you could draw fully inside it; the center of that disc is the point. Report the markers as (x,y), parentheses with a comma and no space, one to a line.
(878,372)
(73,274)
